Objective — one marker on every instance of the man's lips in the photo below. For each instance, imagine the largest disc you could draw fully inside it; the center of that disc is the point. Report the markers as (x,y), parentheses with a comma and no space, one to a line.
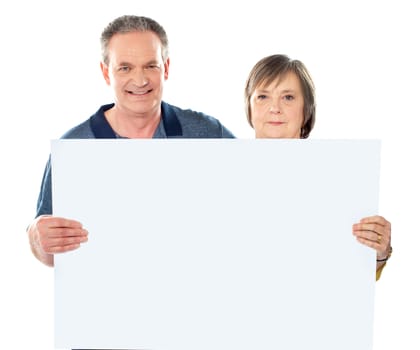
(139,93)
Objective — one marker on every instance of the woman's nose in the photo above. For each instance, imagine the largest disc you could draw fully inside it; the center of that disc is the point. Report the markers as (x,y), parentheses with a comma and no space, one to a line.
(275,107)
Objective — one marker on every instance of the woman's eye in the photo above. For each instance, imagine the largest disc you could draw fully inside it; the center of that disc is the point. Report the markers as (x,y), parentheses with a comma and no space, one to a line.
(289,97)
(261,97)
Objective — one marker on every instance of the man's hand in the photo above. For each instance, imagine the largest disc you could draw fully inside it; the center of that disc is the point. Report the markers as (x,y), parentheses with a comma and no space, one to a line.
(49,235)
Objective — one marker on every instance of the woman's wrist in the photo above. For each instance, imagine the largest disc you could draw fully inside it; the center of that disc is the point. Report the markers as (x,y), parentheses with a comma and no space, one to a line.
(386,257)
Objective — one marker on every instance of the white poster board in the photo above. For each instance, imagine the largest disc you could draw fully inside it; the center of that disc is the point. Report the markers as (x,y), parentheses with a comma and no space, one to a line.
(216,244)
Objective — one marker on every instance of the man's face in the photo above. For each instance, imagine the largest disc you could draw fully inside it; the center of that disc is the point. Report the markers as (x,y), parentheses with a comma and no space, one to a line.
(136,72)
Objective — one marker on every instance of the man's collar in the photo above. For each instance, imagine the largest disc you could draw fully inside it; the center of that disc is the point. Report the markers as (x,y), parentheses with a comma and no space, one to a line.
(102,130)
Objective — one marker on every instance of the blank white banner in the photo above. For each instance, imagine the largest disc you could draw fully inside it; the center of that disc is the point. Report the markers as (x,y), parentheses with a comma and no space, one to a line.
(216,244)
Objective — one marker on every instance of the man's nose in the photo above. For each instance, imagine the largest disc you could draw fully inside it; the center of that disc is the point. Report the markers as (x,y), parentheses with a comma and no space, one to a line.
(140,78)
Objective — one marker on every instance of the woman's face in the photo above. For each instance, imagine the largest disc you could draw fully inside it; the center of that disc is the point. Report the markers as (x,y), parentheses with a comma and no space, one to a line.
(277,109)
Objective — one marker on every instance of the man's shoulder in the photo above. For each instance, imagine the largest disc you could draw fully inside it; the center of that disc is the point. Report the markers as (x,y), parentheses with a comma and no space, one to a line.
(84,130)
(198,124)
(81,131)
(190,115)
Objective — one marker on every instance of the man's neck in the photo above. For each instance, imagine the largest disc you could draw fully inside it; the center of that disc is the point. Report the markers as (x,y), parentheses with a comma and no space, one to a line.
(133,125)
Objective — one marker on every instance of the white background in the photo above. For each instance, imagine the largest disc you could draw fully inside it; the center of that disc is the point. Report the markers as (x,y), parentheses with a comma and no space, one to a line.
(363,57)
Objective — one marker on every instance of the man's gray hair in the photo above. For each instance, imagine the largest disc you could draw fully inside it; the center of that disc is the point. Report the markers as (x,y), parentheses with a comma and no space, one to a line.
(129,23)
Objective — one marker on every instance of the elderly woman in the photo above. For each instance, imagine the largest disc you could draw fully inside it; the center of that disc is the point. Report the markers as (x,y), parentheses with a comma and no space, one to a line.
(280,103)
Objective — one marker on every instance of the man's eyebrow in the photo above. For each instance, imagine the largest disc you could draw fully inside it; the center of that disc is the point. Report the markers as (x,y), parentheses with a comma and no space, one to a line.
(124,63)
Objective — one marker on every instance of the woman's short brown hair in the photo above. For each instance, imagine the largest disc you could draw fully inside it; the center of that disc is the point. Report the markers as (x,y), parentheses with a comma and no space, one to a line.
(274,67)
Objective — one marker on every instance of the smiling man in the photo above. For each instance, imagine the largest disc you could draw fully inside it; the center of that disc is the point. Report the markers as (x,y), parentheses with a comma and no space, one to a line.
(135,64)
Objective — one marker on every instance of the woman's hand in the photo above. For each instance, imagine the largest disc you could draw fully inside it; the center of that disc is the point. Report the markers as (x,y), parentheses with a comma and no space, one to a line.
(375,232)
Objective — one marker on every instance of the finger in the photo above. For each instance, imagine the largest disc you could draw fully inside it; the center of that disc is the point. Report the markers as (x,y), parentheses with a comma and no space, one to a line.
(62,244)
(381,246)
(376,219)
(373,227)
(367,242)
(56,221)
(63,249)
(66,232)
(368,235)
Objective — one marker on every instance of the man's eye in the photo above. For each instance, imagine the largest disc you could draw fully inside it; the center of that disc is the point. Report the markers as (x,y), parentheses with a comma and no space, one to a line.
(124,69)
(153,66)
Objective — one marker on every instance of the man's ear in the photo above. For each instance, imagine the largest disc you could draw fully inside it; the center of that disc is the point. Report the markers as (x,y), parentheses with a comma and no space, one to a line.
(105,72)
(166,69)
